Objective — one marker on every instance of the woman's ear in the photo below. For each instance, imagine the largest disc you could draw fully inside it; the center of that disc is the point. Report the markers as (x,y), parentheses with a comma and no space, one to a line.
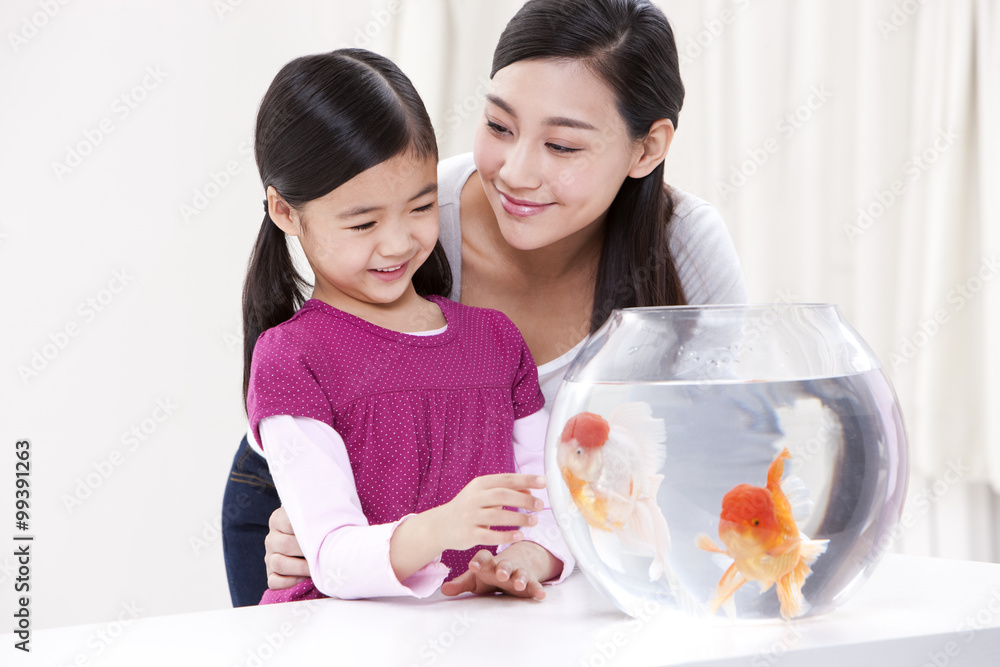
(281,213)
(654,148)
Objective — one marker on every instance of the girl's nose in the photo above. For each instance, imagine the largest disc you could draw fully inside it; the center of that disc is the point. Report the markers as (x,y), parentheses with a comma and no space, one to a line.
(520,170)
(395,240)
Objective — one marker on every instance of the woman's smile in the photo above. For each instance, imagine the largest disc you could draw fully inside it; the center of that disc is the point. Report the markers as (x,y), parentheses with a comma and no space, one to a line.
(520,207)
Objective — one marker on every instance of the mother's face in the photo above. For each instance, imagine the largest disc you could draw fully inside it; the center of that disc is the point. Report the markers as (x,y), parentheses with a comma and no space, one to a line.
(552,151)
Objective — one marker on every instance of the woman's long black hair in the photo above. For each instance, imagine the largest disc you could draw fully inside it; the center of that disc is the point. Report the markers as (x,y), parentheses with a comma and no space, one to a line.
(628,44)
(325,119)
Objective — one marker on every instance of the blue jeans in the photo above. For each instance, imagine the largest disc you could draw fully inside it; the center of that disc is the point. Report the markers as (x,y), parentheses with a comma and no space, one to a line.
(246,507)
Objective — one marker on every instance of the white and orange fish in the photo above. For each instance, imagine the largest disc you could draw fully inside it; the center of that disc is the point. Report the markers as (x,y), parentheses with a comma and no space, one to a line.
(610,467)
(760,535)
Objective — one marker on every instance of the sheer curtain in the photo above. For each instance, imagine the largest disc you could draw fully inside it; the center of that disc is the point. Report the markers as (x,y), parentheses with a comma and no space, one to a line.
(853,149)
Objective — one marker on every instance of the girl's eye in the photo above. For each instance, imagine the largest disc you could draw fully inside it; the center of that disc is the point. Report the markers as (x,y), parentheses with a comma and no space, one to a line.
(496,127)
(363,227)
(562,149)
(424,209)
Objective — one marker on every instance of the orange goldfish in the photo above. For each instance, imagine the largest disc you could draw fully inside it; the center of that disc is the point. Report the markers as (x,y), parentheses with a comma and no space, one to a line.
(761,537)
(610,466)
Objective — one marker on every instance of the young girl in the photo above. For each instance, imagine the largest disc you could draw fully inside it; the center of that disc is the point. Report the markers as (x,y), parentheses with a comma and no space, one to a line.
(393,419)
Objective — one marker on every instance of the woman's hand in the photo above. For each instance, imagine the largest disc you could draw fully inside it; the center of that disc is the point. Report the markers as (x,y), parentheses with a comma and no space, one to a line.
(519,570)
(286,566)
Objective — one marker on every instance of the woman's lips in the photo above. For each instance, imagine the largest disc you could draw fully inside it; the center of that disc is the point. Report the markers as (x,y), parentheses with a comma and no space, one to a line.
(389,276)
(520,207)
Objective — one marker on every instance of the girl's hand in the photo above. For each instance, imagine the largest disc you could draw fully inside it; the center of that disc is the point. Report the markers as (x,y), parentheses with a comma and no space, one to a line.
(465,521)
(519,571)
(286,566)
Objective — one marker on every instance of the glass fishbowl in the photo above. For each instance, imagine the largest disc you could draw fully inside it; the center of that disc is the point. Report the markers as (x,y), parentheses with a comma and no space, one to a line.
(741,461)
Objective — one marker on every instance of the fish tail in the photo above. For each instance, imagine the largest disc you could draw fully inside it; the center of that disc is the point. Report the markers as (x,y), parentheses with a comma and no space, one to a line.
(790,592)
(777,469)
(810,550)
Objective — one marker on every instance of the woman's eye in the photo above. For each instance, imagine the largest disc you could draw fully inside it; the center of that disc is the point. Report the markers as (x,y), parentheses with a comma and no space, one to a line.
(496,127)
(562,149)
(424,209)
(363,227)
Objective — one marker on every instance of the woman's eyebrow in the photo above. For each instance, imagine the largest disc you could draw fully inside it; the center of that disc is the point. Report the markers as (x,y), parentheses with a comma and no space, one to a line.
(552,121)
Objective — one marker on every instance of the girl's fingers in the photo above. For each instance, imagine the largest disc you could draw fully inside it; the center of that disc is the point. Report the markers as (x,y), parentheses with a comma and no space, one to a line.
(504,517)
(510,498)
(512,480)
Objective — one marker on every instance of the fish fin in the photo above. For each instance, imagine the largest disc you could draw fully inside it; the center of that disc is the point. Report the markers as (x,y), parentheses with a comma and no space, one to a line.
(608,549)
(636,417)
(799,499)
(812,549)
(703,541)
(730,582)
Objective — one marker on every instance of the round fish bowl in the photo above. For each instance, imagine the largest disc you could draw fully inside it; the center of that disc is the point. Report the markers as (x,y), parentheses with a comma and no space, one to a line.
(741,461)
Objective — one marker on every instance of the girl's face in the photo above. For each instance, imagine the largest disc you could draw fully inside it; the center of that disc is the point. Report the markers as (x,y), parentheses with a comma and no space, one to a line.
(552,151)
(366,239)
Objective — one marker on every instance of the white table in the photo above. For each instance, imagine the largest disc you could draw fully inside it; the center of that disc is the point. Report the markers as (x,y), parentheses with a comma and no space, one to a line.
(912,612)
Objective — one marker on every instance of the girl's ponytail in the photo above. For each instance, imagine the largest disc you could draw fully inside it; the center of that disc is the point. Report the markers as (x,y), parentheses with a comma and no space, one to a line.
(272,291)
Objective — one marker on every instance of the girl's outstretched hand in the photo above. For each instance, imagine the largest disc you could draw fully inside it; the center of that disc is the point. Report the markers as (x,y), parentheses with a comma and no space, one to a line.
(519,571)
(486,502)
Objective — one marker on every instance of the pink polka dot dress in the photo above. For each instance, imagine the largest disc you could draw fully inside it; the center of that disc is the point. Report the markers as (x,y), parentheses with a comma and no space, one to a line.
(420,416)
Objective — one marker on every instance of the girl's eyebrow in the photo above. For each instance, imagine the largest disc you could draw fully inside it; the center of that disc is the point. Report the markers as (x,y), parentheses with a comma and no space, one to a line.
(363,210)
(552,121)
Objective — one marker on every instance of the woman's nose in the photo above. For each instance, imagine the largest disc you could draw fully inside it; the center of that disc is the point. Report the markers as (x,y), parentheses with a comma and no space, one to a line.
(520,169)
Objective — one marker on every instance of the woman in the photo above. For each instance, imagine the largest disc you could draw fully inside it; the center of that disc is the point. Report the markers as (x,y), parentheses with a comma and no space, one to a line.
(559,216)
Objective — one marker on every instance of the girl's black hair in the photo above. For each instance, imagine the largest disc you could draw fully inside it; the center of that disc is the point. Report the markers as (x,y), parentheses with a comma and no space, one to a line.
(325,119)
(628,44)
